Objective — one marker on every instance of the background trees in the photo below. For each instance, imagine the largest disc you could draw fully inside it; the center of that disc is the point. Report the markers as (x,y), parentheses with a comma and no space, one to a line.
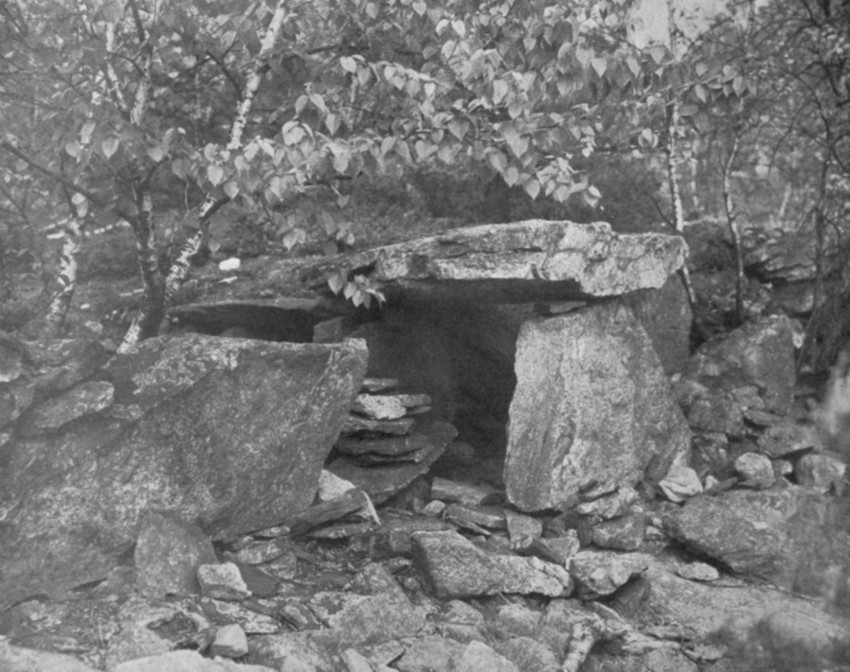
(182,119)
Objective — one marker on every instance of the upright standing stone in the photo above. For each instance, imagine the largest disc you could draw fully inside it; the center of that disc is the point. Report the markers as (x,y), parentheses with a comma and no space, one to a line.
(592,406)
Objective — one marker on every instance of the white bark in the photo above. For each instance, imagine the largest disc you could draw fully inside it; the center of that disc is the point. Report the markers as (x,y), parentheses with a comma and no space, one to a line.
(180,266)
(267,44)
(179,269)
(58,308)
(734,230)
(675,195)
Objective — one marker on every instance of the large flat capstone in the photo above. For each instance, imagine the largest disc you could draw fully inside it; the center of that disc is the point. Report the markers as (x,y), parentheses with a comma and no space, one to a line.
(526,261)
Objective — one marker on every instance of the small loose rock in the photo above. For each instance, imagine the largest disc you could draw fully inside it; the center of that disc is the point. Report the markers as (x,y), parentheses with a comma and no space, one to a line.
(230,641)
(755,471)
(223,581)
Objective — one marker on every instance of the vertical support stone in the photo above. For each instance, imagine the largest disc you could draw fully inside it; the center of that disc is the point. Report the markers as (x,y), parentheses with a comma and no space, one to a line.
(592,406)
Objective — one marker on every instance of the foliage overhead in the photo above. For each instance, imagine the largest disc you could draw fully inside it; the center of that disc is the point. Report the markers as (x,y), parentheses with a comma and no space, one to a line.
(144,110)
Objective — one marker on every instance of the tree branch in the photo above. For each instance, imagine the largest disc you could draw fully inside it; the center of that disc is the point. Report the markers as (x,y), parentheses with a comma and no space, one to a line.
(52,174)
(229,75)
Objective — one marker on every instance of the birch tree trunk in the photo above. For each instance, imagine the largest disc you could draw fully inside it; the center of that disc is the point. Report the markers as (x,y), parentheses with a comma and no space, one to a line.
(154,321)
(734,230)
(59,304)
(675,195)
(670,150)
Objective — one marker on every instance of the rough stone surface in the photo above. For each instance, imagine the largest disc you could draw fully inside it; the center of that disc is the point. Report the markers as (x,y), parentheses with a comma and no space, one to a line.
(34,371)
(786,438)
(784,256)
(425,436)
(302,651)
(522,530)
(368,619)
(186,661)
(62,363)
(136,638)
(680,483)
(698,571)
(526,261)
(382,482)
(355,424)
(222,581)
(167,555)
(821,471)
(455,567)
(478,657)
(559,622)
(791,536)
(557,549)
(81,400)
(351,620)
(260,551)
(625,533)
(785,640)
(251,622)
(379,407)
(11,359)
(463,493)
(598,573)
(20,659)
(705,608)
(248,424)
(755,470)
(760,353)
(529,655)
(610,506)
(489,517)
(592,404)
(667,659)
(231,641)
(427,653)
(666,315)
(711,407)
(517,620)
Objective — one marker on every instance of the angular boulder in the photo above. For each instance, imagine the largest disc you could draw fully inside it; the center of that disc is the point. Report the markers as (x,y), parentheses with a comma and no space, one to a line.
(381,480)
(760,353)
(666,315)
(592,406)
(167,556)
(30,371)
(453,567)
(792,537)
(229,434)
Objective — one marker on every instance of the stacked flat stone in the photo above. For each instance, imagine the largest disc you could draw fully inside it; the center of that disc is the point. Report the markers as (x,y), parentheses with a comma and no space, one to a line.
(388,440)
(383,427)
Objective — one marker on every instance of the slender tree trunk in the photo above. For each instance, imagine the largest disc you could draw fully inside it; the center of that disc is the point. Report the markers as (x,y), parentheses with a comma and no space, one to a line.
(820,228)
(830,320)
(61,301)
(734,230)
(693,172)
(179,270)
(146,322)
(783,207)
(142,220)
(675,195)
(670,151)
